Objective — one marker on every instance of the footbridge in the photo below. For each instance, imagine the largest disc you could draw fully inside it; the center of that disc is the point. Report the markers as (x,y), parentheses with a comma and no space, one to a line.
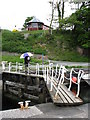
(57,78)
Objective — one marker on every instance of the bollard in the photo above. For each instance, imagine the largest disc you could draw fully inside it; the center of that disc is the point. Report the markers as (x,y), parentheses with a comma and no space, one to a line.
(26,104)
(21,105)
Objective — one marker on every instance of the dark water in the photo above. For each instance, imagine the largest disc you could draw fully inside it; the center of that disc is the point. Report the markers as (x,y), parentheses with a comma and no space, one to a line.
(11,102)
(84,91)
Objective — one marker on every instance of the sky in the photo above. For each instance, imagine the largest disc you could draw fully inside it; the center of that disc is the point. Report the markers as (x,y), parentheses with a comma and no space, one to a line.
(14,12)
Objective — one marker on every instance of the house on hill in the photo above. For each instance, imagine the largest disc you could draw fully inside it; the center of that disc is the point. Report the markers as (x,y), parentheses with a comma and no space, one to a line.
(36,24)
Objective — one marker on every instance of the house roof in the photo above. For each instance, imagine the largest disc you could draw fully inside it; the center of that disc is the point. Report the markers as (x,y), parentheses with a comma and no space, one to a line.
(35,20)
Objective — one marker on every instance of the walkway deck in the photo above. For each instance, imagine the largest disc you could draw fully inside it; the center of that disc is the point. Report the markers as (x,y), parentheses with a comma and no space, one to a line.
(64,97)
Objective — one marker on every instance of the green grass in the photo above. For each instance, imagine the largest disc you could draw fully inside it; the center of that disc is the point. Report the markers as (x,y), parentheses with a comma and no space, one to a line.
(15,42)
(58,46)
(16,58)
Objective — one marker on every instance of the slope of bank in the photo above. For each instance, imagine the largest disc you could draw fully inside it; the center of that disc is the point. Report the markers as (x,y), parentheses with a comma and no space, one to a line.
(58,46)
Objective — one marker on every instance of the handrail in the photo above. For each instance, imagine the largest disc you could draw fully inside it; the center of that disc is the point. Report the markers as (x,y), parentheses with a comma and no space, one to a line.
(80,74)
(56,74)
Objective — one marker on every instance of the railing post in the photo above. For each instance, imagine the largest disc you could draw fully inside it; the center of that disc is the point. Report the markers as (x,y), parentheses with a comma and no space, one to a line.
(80,74)
(36,69)
(16,66)
(52,80)
(59,72)
(28,69)
(63,71)
(49,62)
(45,73)
(47,76)
(9,66)
(19,67)
(70,79)
(56,70)
(50,67)
(3,66)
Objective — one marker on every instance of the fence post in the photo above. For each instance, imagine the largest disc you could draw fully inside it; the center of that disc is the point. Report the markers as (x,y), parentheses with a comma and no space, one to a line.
(9,66)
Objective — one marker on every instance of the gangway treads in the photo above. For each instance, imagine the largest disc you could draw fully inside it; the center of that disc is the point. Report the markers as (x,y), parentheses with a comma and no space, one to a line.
(64,97)
(70,95)
(52,94)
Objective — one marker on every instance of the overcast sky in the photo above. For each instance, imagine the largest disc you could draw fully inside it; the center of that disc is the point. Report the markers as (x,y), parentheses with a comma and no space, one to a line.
(14,12)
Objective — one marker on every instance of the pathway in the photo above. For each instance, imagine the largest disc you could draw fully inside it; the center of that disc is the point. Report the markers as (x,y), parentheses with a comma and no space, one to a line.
(66,63)
(48,110)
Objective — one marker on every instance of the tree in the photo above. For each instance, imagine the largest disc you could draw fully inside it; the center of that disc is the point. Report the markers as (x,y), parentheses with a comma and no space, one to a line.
(80,20)
(60,10)
(57,5)
(52,15)
(27,20)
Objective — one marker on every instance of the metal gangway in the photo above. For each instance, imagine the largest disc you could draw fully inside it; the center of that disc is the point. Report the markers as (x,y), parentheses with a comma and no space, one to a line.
(55,77)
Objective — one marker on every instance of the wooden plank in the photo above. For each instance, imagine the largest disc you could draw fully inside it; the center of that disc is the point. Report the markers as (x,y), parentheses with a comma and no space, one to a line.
(65,96)
(52,94)
(61,95)
(55,100)
(70,94)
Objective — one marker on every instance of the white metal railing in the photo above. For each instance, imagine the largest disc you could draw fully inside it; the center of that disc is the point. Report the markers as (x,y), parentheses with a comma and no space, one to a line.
(53,74)
(80,73)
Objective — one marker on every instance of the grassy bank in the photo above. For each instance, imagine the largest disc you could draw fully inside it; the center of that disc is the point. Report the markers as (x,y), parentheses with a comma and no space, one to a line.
(58,46)
(13,58)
